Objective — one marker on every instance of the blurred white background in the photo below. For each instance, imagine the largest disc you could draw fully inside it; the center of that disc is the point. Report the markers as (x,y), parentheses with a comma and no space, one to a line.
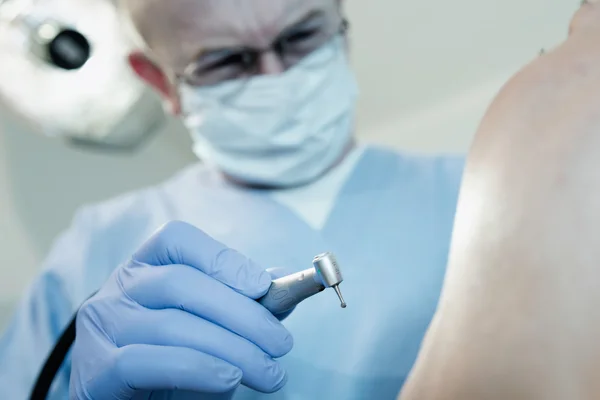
(427,71)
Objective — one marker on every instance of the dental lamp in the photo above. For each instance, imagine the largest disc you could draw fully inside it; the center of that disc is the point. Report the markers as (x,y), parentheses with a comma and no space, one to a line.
(64,70)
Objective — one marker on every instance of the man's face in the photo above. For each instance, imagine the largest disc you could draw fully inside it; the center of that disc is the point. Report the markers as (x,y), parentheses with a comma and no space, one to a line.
(205,41)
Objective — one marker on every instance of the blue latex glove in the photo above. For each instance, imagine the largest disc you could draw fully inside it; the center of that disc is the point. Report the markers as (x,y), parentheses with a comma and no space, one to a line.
(179,316)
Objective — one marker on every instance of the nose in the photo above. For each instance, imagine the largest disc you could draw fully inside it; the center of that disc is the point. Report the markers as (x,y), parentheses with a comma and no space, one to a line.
(270,64)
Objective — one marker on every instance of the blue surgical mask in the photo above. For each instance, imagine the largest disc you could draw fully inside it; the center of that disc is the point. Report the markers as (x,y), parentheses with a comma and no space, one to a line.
(278,130)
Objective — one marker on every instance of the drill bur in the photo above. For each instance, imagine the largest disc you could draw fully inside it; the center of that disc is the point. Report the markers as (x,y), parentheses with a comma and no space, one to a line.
(339,294)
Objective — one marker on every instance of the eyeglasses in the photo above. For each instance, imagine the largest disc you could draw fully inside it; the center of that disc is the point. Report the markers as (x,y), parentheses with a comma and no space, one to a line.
(242,63)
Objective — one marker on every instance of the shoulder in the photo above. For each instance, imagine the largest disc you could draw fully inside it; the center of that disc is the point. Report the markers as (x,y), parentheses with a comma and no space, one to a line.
(146,206)
(103,235)
(445,166)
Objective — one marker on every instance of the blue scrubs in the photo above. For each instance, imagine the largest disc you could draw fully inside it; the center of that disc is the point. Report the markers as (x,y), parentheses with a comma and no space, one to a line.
(389,225)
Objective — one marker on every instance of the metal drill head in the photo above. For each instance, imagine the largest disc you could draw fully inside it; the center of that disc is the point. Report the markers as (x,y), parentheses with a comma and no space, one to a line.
(329,271)
(327,267)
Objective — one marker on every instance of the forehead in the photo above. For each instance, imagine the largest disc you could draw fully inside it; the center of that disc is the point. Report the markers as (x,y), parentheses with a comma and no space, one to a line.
(178,29)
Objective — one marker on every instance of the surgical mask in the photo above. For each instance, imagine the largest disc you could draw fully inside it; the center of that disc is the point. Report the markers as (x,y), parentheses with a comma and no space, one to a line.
(278,130)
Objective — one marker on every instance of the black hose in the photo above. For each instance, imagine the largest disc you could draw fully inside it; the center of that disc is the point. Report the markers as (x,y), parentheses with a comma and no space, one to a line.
(54,362)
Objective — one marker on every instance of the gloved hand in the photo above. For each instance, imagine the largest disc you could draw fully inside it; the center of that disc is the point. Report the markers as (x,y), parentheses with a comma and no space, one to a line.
(179,315)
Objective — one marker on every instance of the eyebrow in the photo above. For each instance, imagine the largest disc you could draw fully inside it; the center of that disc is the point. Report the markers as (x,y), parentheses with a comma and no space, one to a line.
(215,52)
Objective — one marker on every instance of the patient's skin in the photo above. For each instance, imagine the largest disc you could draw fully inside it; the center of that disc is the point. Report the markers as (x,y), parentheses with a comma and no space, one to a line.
(519,316)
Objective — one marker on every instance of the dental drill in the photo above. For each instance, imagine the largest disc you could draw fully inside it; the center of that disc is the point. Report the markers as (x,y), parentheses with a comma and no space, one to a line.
(283,295)
(288,291)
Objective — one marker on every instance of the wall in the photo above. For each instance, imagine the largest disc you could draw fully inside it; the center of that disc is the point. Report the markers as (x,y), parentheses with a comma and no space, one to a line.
(429,68)
(42,182)
(427,72)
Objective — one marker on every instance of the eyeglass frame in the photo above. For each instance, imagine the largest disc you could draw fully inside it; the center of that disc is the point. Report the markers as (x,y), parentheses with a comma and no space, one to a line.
(254,56)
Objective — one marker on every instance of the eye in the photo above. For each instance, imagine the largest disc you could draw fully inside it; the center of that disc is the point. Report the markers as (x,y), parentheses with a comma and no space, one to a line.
(233,60)
(301,36)
(302,41)
(221,66)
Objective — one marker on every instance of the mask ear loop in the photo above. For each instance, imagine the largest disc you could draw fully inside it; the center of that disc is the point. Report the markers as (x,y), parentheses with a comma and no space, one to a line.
(190,113)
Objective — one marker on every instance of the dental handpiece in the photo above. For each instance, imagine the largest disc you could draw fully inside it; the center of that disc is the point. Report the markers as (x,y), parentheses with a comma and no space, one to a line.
(288,291)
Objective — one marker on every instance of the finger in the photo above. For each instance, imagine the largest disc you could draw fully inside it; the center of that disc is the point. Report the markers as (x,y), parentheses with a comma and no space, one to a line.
(147,367)
(182,287)
(176,328)
(181,243)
